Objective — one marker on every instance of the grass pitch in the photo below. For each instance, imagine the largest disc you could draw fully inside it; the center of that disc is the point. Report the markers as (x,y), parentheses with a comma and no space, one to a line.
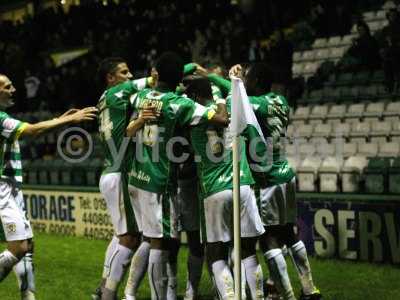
(70,269)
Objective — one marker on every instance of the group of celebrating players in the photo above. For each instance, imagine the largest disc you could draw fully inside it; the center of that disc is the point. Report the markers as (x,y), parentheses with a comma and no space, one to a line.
(152,197)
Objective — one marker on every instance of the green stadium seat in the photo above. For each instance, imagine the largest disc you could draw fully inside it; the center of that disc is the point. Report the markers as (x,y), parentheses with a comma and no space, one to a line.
(44,170)
(361,78)
(78,173)
(93,172)
(33,172)
(394,177)
(344,78)
(55,171)
(378,76)
(315,97)
(66,174)
(376,174)
(351,173)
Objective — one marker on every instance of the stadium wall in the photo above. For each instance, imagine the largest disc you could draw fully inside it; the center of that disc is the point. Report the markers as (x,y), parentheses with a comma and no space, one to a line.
(345,226)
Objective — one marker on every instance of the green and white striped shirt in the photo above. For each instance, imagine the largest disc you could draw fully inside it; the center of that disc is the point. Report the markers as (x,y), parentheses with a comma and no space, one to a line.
(10,155)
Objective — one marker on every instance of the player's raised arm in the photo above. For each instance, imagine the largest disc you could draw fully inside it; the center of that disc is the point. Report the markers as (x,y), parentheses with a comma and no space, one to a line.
(69,117)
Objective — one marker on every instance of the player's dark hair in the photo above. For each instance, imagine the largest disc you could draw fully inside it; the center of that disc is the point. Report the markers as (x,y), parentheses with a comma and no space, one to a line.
(261,75)
(170,69)
(197,87)
(108,66)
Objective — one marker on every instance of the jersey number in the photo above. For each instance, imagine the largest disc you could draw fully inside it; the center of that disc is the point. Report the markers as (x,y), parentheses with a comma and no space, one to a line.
(106,125)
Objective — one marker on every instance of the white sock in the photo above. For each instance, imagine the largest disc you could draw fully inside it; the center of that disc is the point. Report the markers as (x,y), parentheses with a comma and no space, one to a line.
(243,280)
(158,276)
(7,262)
(254,277)
(278,272)
(172,283)
(28,295)
(298,253)
(109,252)
(118,264)
(195,269)
(223,279)
(139,264)
(25,276)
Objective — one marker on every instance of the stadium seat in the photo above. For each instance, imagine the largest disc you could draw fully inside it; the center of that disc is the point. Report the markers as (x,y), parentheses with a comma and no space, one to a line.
(348,149)
(304,131)
(347,40)
(322,130)
(55,171)
(329,174)
(323,148)
(369,92)
(322,54)
(376,25)
(360,129)
(293,162)
(388,5)
(374,110)
(389,149)
(380,15)
(380,129)
(361,78)
(306,150)
(319,112)
(344,78)
(368,149)
(334,41)
(290,130)
(66,176)
(378,76)
(93,172)
(315,96)
(392,110)
(394,177)
(355,111)
(297,69)
(44,168)
(351,173)
(340,130)
(307,174)
(297,56)
(338,52)
(376,175)
(350,94)
(395,133)
(320,43)
(308,55)
(331,94)
(369,16)
(301,113)
(291,150)
(310,68)
(336,111)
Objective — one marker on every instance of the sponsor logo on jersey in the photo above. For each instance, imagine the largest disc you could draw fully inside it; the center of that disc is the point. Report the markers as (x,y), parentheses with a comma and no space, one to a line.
(10,124)
(11,227)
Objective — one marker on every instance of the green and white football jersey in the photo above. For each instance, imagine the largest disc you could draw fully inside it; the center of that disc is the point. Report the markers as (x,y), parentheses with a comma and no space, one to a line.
(10,156)
(213,154)
(114,114)
(272,113)
(152,168)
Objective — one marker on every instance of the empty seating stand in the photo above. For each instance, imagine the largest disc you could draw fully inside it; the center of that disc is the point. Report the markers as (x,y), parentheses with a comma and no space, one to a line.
(376,175)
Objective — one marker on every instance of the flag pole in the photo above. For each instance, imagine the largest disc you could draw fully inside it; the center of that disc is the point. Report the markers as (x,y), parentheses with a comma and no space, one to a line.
(236,218)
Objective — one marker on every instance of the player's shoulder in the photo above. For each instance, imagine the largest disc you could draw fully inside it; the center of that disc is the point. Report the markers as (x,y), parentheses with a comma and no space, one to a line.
(119,90)
(276,98)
